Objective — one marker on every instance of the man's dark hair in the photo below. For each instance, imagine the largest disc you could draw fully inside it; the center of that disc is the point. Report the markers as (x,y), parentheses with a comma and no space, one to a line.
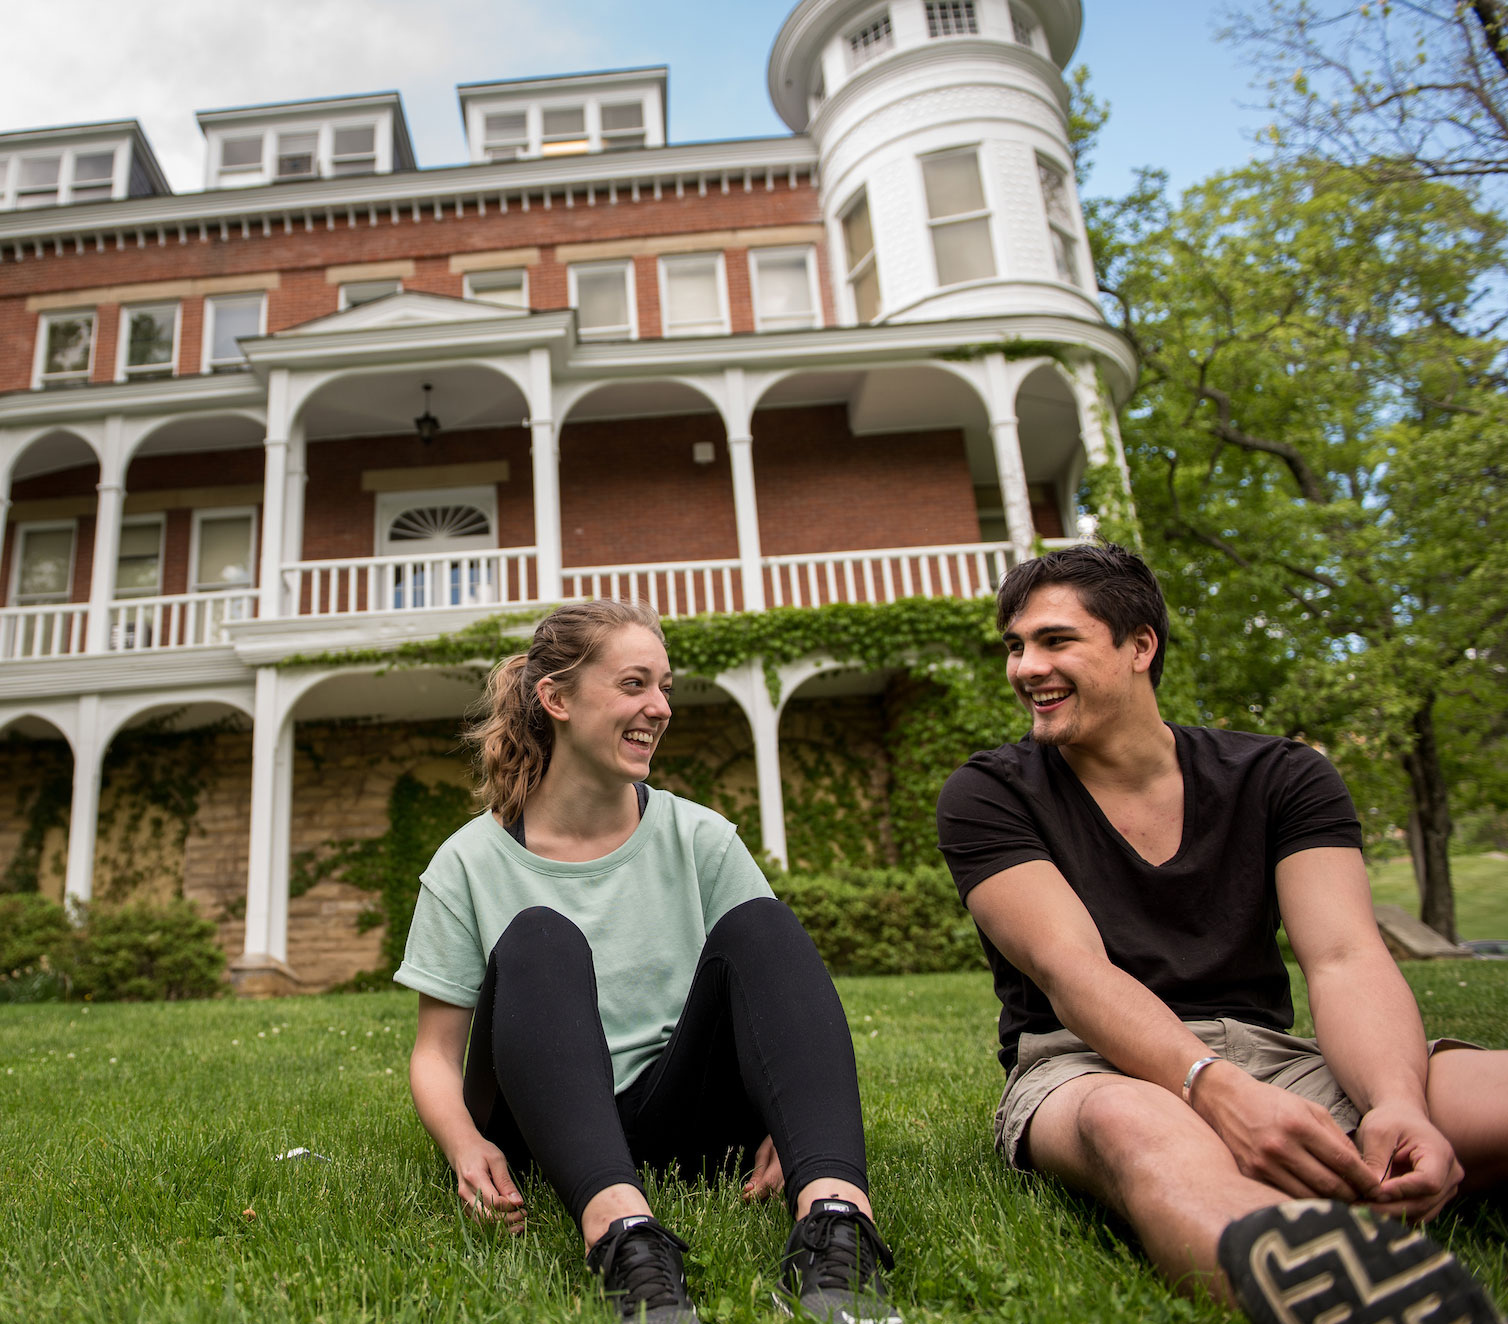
(1115,586)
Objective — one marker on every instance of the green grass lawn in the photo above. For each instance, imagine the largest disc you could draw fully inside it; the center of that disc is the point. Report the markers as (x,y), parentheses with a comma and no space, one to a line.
(1480,883)
(138,1181)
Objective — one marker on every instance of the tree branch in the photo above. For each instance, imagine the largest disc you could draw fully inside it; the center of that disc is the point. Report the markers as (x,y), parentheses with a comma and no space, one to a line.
(1308,481)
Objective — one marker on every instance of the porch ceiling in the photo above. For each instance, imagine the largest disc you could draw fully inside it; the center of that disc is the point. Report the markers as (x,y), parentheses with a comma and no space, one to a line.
(385,402)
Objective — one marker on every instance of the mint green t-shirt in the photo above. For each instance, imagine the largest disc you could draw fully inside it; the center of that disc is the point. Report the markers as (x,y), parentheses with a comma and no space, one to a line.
(645,908)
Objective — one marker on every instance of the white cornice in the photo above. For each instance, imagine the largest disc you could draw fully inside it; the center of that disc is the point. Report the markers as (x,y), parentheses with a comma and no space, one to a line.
(713,165)
(237,390)
(262,642)
(111,673)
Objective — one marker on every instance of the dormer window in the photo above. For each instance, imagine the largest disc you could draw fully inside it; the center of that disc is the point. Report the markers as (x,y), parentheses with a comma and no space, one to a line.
(81,163)
(46,181)
(563,131)
(951,18)
(240,156)
(506,135)
(93,176)
(296,155)
(870,41)
(354,150)
(622,126)
(39,182)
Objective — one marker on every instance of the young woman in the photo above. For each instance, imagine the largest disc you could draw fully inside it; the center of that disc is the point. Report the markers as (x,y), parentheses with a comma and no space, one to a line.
(632,991)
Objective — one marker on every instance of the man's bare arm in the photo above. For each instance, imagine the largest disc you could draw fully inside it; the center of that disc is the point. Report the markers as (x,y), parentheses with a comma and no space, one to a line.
(1039,924)
(1367,1024)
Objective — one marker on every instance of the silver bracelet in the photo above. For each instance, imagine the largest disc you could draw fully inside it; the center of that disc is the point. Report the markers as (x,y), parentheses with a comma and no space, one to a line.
(1188,1080)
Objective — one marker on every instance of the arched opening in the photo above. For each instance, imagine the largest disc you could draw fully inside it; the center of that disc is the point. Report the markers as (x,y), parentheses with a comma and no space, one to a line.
(1051,450)
(36,789)
(646,498)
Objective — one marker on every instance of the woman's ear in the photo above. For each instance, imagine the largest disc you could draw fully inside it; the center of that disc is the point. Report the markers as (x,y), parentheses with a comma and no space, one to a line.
(551,699)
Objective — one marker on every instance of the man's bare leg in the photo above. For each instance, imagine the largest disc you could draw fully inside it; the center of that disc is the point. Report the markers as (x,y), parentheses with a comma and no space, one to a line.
(1465,1092)
(1154,1161)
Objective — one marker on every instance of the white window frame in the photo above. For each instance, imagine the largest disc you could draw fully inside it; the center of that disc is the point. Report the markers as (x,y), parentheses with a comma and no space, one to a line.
(348,286)
(221,512)
(140,522)
(324,157)
(67,160)
(1062,231)
(469,286)
(1022,18)
(207,361)
(392,504)
(936,224)
(13,596)
(950,18)
(860,48)
(125,371)
(808,255)
(618,140)
(626,266)
(589,142)
(251,173)
(366,160)
(39,378)
(868,263)
(720,279)
(508,148)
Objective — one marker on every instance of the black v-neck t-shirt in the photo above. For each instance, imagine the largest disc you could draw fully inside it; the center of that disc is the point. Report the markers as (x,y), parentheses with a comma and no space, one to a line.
(1198,930)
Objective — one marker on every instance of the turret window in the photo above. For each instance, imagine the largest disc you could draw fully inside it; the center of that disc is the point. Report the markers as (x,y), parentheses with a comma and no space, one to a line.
(1060,220)
(873,39)
(1024,28)
(958,217)
(858,251)
(951,18)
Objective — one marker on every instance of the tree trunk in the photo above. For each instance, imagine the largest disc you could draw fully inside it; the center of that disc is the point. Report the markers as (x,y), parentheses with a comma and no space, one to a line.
(1431,811)
(1416,852)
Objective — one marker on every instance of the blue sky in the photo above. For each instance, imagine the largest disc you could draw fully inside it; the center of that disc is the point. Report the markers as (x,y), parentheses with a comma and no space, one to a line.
(1176,94)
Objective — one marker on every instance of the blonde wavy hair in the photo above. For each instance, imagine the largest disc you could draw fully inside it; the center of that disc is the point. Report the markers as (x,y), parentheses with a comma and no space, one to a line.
(513,737)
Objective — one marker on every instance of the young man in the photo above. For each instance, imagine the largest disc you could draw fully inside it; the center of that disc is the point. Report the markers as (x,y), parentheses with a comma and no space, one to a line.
(1128,878)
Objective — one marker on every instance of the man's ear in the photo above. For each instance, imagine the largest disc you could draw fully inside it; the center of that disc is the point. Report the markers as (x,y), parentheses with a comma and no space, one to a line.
(551,698)
(1144,638)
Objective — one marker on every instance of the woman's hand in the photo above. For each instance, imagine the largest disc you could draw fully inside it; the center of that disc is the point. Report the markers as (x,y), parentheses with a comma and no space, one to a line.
(767,1178)
(486,1187)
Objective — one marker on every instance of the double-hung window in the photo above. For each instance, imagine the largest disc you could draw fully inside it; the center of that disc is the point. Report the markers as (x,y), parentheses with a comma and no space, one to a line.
(951,18)
(241,159)
(221,558)
(298,155)
(692,296)
(958,217)
(93,176)
(353,149)
(508,289)
(39,181)
(148,340)
(138,565)
(784,285)
(563,131)
(227,318)
(1060,226)
(871,40)
(622,125)
(44,564)
(858,255)
(65,348)
(603,296)
(505,135)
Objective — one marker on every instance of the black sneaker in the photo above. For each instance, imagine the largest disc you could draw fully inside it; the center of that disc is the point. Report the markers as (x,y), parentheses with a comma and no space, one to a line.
(831,1267)
(642,1273)
(1313,1260)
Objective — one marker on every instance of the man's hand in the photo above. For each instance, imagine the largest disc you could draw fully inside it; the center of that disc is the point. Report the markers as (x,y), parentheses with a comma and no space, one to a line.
(1282,1140)
(767,1178)
(486,1187)
(1416,1168)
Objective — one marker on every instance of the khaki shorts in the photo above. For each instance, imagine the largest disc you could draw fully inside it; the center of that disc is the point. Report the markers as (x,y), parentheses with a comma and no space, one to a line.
(1046,1061)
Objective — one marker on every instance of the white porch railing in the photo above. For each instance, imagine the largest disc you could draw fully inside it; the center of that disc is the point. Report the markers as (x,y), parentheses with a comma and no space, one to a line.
(501,576)
(963,570)
(179,620)
(672,588)
(53,630)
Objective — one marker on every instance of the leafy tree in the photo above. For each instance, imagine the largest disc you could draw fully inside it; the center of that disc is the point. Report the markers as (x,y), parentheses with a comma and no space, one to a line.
(1407,89)
(1319,445)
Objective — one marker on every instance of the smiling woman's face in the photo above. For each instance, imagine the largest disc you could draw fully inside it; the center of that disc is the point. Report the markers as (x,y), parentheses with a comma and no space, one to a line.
(612,719)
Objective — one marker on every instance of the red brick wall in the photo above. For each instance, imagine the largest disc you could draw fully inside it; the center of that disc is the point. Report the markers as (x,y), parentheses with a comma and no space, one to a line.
(822,490)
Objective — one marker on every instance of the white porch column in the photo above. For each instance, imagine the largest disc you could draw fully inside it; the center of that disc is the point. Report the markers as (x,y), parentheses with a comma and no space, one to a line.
(271,806)
(746,683)
(745,504)
(296,480)
(112,496)
(544,452)
(274,497)
(1086,399)
(83,817)
(4,513)
(1005,440)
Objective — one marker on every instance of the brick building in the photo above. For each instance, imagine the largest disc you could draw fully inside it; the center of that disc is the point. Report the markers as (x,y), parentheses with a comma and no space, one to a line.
(339,399)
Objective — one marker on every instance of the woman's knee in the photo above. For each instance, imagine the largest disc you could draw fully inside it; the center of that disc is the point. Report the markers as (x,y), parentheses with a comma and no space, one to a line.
(540,936)
(757,926)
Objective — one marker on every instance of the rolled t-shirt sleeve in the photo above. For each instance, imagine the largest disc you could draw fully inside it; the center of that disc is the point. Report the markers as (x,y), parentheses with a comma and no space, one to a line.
(984,827)
(443,956)
(732,879)
(1315,809)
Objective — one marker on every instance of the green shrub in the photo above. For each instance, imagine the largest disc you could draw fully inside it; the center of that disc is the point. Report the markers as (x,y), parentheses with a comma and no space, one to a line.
(31,927)
(142,953)
(883,921)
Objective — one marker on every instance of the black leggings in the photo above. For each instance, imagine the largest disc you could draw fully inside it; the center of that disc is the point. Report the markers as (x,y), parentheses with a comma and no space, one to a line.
(761,1047)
